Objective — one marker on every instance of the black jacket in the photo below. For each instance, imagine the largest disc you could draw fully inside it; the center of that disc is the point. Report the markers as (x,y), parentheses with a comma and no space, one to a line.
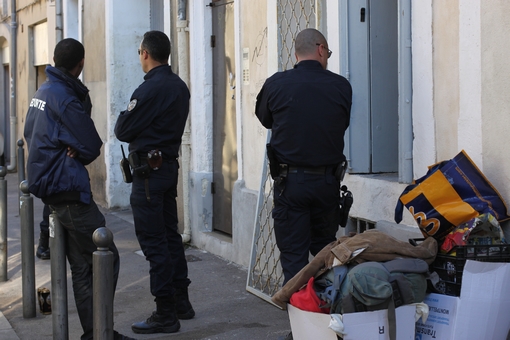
(156,114)
(308,109)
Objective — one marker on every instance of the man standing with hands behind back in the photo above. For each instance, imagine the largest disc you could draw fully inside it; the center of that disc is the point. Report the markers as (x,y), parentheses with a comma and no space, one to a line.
(61,141)
(153,124)
(308,109)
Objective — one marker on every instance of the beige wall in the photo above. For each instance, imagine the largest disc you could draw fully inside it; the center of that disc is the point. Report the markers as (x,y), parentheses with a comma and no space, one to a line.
(445,17)
(94,77)
(29,15)
(495,96)
(471,85)
(254,43)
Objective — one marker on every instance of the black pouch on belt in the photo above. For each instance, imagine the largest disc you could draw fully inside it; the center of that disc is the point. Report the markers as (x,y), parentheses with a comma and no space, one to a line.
(154,159)
(141,170)
(274,165)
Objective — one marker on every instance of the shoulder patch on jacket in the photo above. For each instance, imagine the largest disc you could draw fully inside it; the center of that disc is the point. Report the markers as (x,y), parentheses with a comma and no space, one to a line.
(131,105)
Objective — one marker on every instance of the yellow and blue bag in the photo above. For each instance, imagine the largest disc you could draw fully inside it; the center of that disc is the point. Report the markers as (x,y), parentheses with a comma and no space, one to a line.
(451,193)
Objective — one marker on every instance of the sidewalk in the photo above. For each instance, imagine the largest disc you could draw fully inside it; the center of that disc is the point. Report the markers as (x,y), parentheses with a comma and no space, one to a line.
(224,309)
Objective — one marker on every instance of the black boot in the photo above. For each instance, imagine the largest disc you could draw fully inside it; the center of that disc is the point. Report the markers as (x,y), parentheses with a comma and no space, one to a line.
(163,320)
(182,305)
(43,249)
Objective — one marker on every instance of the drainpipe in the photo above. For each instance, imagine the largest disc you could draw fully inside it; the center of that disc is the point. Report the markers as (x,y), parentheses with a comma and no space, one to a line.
(13,68)
(182,53)
(345,67)
(405,94)
(59,29)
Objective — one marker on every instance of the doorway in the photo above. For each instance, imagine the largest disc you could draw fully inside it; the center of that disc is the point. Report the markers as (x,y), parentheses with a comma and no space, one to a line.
(224,115)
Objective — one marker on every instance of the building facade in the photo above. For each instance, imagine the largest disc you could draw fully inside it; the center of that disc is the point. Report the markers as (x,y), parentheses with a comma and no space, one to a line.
(429,79)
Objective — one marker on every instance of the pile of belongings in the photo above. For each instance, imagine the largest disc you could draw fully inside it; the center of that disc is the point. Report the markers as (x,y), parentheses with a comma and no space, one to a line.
(451,193)
(481,230)
(458,206)
(365,272)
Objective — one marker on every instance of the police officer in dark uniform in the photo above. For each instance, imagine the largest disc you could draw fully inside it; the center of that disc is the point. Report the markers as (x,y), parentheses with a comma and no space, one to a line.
(153,125)
(308,110)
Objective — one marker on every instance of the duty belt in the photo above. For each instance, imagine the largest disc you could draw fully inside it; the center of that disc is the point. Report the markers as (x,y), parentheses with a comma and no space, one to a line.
(320,170)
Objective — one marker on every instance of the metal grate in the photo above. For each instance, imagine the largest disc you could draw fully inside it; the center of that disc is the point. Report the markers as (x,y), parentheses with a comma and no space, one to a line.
(361,224)
(293,17)
(264,274)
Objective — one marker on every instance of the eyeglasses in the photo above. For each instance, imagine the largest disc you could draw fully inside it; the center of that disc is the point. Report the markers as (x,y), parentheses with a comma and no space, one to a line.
(329,51)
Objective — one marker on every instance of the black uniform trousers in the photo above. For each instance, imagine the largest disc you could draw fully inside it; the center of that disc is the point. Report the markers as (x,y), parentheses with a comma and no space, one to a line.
(154,206)
(304,214)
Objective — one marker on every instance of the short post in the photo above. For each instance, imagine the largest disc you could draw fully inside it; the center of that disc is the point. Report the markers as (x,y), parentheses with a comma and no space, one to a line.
(21,161)
(21,164)
(102,264)
(58,279)
(27,251)
(3,224)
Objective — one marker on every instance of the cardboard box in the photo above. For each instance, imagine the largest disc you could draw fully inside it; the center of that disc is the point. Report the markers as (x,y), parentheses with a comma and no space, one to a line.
(442,314)
(481,312)
(309,325)
(358,326)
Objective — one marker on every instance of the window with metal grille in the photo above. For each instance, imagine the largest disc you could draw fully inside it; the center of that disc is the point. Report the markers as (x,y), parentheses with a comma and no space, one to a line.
(293,17)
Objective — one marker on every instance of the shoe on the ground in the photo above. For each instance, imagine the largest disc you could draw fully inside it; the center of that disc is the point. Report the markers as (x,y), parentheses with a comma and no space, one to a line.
(42,253)
(43,249)
(183,307)
(118,336)
(157,323)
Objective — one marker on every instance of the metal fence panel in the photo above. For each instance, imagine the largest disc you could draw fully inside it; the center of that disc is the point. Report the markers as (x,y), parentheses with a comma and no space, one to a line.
(265,275)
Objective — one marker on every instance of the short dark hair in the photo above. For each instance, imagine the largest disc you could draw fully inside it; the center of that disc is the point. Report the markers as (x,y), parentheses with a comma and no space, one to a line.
(157,44)
(68,53)
(307,40)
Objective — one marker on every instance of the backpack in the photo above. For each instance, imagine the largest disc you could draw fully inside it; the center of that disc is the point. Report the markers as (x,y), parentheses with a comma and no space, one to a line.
(372,285)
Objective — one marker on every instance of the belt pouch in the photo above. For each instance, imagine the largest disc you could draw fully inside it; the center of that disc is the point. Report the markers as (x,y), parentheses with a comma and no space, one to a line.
(141,170)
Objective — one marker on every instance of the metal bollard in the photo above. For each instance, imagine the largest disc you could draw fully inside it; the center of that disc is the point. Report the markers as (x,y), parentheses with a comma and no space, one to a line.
(26,205)
(58,279)
(102,264)
(21,163)
(3,224)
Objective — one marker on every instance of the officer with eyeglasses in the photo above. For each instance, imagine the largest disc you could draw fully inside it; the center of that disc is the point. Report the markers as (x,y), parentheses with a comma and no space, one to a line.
(153,124)
(308,110)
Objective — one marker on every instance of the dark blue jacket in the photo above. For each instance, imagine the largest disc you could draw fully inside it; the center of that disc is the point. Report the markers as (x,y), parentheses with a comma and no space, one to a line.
(308,109)
(58,117)
(156,115)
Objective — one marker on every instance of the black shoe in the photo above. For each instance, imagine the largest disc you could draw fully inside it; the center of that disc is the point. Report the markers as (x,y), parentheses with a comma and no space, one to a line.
(43,253)
(118,336)
(157,323)
(43,249)
(183,307)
